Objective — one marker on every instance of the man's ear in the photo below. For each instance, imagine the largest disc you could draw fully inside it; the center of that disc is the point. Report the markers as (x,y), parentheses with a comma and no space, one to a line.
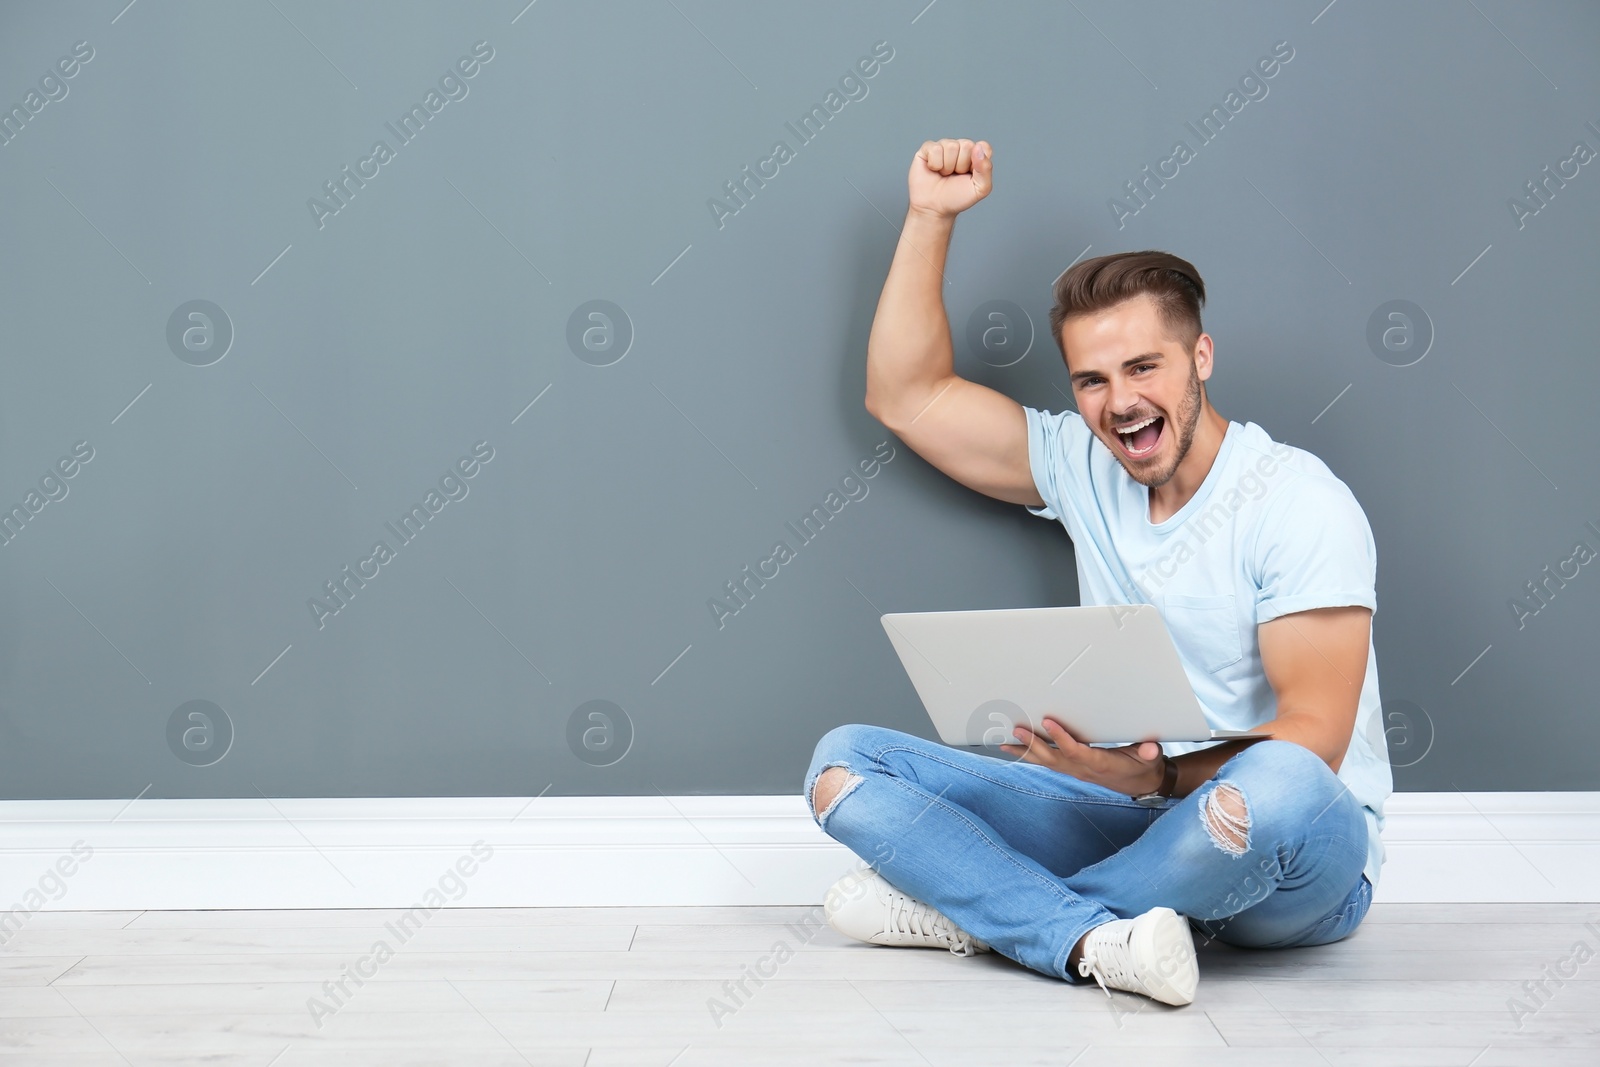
(1203,363)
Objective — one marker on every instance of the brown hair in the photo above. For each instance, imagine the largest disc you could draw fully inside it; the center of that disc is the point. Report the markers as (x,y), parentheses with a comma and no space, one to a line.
(1105,281)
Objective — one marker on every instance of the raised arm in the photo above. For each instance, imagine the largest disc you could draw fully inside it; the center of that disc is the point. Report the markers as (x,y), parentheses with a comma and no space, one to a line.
(975,435)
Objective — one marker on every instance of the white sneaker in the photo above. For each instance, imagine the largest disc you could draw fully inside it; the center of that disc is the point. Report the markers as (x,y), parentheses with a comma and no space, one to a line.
(863,905)
(1152,954)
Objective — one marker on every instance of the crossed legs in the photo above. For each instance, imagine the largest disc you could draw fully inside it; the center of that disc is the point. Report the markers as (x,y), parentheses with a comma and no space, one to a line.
(1029,860)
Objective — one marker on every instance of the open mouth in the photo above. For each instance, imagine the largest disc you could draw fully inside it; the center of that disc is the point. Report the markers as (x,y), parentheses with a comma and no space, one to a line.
(1141,439)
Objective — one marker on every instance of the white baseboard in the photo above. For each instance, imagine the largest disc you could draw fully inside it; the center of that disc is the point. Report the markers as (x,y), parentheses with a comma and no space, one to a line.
(589,851)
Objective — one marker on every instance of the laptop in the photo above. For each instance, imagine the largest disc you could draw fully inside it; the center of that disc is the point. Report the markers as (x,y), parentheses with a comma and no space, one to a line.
(1109,673)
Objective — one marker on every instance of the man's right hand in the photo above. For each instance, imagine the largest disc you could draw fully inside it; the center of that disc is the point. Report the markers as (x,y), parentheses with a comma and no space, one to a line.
(950,175)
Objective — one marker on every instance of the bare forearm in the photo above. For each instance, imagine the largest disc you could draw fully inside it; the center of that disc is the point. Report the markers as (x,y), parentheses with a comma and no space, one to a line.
(1314,731)
(909,347)
(1195,769)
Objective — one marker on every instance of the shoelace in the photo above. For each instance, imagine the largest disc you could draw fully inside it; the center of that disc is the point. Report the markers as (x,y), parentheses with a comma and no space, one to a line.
(910,916)
(1109,961)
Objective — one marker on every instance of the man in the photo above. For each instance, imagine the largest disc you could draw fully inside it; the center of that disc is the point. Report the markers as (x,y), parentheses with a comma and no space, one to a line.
(1084,861)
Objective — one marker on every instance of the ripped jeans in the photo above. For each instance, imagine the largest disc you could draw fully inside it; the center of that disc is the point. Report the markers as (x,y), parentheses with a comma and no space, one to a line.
(1028,860)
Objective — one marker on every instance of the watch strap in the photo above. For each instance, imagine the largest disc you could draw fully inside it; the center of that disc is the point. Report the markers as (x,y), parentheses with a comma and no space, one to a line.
(1169,776)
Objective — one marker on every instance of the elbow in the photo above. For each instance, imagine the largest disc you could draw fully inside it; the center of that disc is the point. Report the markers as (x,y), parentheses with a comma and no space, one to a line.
(1327,749)
(1331,753)
(876,409)
(1314,733)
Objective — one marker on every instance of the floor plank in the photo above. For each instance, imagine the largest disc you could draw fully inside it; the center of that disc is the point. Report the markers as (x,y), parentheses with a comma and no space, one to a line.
(1416,986)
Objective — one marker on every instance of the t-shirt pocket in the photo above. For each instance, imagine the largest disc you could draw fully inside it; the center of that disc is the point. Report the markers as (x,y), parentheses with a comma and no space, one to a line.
(1205,629)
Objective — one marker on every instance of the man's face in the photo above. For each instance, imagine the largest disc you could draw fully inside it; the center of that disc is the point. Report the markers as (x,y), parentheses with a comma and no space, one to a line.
(1126,371)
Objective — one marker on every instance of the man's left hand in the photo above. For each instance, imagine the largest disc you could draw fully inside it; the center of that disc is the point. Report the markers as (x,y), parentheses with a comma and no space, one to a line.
(1131,769)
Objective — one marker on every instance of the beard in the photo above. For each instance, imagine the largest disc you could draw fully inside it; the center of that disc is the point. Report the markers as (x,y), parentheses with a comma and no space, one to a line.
(1184,422)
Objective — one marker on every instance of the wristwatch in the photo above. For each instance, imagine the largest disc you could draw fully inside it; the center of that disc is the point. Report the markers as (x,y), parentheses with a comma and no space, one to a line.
(1164,791)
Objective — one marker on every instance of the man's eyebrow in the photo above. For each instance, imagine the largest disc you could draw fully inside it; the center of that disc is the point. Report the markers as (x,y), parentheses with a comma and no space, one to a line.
(1148,357)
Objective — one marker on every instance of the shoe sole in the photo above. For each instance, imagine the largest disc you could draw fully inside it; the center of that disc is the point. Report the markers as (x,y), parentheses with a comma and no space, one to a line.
(1163,936)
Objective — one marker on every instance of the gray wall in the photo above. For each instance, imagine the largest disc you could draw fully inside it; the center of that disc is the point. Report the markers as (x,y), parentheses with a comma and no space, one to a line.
(720,395)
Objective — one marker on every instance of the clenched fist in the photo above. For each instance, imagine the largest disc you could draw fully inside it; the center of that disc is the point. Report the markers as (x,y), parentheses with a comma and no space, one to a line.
(950,175)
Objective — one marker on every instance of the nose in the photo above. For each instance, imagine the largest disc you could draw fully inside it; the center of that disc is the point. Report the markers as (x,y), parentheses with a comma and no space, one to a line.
(1122,400)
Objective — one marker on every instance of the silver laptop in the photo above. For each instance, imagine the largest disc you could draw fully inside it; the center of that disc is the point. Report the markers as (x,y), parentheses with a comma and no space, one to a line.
(1110,673)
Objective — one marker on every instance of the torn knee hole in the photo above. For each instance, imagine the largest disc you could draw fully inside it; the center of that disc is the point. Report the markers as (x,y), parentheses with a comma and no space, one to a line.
(831,784)
(1227,819)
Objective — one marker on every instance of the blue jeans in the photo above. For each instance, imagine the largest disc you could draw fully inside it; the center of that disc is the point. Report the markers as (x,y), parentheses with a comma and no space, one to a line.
(1028,860)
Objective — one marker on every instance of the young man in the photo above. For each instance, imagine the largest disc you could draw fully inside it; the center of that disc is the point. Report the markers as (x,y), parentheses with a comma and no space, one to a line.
(1083,861)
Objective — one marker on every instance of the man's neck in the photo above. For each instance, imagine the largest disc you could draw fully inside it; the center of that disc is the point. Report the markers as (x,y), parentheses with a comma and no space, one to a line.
(1168,499)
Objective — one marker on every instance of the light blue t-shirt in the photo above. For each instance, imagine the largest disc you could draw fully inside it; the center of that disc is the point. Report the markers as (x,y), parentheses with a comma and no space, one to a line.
(1269,532)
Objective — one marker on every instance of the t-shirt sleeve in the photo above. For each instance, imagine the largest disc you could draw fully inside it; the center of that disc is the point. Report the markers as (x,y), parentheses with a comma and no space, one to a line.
(1314,550)
(1053,439)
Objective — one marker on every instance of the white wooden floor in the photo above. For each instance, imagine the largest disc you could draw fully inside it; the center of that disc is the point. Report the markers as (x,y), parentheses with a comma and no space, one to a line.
(606,987)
